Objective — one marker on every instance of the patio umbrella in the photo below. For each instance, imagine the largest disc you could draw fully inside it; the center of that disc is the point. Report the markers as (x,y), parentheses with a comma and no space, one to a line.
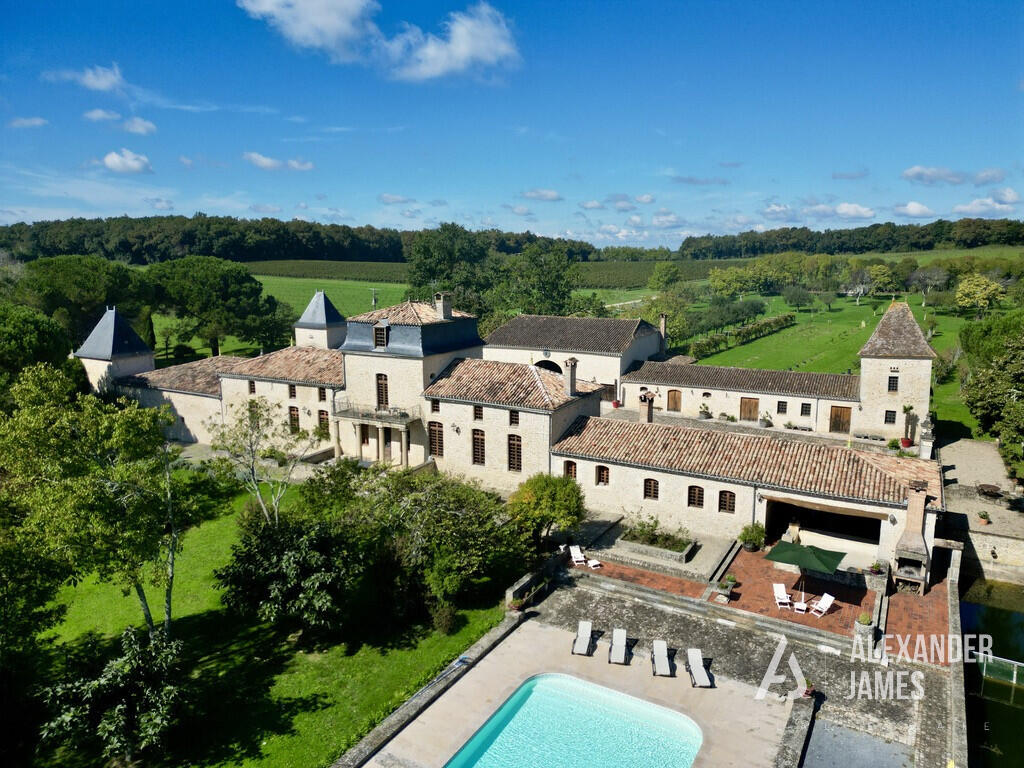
(809,558)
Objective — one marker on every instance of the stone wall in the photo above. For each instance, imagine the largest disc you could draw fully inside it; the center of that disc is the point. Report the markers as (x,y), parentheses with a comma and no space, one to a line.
(915,378)
(1006,565)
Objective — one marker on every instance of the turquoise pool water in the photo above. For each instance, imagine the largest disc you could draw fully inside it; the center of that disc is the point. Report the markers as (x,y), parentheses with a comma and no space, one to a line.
(558,720)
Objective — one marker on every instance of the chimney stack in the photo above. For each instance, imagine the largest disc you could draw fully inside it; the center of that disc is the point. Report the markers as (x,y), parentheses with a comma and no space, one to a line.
(443,304)
(663,326)
(570,376)
(647,407)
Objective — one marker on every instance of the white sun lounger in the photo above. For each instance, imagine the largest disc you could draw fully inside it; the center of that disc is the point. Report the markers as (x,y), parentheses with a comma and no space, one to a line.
(583,635)
(617,652)
(659,659)
(820,607)
(695,666)
(782,599)
(593,564)
(577,555)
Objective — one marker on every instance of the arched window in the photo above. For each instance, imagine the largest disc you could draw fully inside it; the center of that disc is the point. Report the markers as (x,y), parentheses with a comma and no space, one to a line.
(650,488)
(675,400)
(726,501)
(569,469)
(601,475)
(547,365)
(695,496)
(435,432)
(515,453)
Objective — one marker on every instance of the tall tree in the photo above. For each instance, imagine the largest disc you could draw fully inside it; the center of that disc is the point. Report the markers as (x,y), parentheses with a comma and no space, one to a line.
(27,337)
(450,258)
(977,292)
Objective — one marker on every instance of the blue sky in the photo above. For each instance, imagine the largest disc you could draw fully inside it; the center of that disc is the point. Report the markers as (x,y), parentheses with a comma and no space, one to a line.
(616,122)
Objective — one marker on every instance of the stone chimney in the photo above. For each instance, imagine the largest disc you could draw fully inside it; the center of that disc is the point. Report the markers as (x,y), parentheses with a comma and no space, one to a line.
(646,407)
(443,304)
(662,326)
(570,376)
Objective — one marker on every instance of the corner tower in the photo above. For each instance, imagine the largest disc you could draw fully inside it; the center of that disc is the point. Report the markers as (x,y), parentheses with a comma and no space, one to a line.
(321,325)
(113,350)
(895,377)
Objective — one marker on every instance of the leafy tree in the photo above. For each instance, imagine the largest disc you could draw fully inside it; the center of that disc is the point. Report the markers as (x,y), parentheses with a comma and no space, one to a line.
(1010,429)
(977,292)
(927,279)
(995,386)
(796,296)
(882,279)
(903,269)
(543,502)
(127,708)
(538,281)
(449,258)
(665,274)
(828,298)
(27,337)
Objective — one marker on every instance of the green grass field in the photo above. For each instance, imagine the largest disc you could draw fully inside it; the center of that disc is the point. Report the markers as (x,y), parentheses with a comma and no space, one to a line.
(828,342)
(927,257)
(260,700)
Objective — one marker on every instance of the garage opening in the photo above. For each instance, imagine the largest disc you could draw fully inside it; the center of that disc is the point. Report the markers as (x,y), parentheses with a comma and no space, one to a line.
(547,365)
(855,533)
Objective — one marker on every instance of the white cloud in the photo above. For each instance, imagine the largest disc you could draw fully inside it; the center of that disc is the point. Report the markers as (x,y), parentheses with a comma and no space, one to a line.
(591,205)
(139,125)
(186,160)
(344,29)
(989,176)
(778,212)
(261,161)
(644,199)
(302,206)
(624,205)
(665,218)
(28,122)
(127,161)
(388,199)
(98,115)
(159,203)
(264,208)
(94,78)
(295,119)
(609,229)
(818,211)
(914,210)
(854,211)
(298,164)
(438,203)
(1005,195)
(983,206)
(930,175)
(518,210)
(536,193)
(635,220)
(411,213)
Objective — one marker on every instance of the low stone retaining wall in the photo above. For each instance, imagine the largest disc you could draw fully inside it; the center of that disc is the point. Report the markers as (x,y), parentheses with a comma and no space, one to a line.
(1006,565)
(657,552)
(796,735)
(957,691)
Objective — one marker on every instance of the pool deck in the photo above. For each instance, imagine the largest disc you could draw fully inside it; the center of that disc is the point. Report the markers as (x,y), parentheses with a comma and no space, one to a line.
(738,730)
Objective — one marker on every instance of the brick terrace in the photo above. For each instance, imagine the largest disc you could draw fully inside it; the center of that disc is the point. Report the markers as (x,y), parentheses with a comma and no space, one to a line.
(753,593)
(659,581)
(927,615)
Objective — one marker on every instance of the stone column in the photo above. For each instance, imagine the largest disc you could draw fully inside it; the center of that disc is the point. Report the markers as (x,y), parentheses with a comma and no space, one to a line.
(336,432)
(359,437)
(380,444)
(403,435)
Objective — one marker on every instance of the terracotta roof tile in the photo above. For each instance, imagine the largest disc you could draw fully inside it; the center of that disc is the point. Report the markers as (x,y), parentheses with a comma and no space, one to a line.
(840,386)
(302,365)
(570,334)
(897,335)
(512,384)
(200,376)
(773,462)
(407,313)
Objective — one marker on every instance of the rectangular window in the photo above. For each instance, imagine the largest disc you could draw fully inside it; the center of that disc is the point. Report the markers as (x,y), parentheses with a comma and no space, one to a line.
(435,406)
(513,418)
(894,383)
(515,453)
(291,391)
(252,387)
(569,469)
(695,496)
(601,475)
(321,394)
(478,413)
(781,406)
(479,454)
(805,409)
(364,434)
(322,419)
(890,417)
(650,488)
(380,337)
(293,419)
(436,434)
(726,501)
(382,391)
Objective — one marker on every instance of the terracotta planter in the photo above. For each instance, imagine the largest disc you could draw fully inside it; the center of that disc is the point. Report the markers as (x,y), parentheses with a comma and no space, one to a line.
(616,403)
(906,442)
(983,521)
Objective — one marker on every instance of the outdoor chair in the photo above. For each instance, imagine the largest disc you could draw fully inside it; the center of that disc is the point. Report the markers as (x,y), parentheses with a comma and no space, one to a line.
(593,564)
(584,633)
(782,599)
(659,659)
(617,651)
(695,666)
(577,555)
(821,606)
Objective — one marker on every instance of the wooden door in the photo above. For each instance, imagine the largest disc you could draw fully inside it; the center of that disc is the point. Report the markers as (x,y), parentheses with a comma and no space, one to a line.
(840,419)
(748,408)
(675,400)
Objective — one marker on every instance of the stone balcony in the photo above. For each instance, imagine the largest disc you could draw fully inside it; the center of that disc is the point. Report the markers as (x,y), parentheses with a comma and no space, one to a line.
(366,413)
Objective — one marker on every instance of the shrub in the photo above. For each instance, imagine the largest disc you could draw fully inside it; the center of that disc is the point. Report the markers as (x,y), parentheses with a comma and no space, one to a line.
(864,618)
(183,351)
(444,617)
(752,533)
(647,530)
(893,445)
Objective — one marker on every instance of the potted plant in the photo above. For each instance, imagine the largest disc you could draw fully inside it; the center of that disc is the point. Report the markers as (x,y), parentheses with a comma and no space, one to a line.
(983,517)
(725,586)
(704,412)
(765,420)
(906,442)
(863,626)
(517,604)
(808,688)
(752,537)
(876,567)
(893,445)
(616,404)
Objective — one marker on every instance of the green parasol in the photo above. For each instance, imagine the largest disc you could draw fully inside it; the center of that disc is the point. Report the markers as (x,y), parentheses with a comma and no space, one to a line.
(808,558)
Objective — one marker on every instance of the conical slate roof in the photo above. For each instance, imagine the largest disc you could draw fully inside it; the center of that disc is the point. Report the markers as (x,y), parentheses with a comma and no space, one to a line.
(112,337)
(320,313)
(897,335)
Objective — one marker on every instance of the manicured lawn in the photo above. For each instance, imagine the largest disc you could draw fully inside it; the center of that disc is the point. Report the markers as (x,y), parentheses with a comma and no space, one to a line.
(828,342)
(927,257)
(616,295)
(259,698)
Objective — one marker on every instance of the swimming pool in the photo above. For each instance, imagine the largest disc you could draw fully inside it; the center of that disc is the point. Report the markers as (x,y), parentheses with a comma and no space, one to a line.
(562,720)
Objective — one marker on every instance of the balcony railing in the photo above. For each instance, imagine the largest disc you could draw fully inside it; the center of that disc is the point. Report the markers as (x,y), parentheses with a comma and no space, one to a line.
(346,409)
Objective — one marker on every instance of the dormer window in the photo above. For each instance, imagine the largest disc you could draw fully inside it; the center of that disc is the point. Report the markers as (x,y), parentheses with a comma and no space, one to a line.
(380,336)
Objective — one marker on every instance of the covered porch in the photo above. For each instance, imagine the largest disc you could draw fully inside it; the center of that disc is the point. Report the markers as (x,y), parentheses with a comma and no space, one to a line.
(382,435)
(855,532)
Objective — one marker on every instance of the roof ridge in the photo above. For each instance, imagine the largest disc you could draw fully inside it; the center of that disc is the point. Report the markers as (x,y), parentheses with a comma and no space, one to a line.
(540,381)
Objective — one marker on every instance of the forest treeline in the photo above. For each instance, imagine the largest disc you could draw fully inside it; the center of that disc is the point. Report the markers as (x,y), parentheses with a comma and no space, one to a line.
(154,239)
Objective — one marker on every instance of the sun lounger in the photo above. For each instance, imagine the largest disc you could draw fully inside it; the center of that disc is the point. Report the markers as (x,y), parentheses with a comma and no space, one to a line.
(782,599)
(583,635)
(617,653)
(577,555)
(695,666)
(593,564)
(821,606)
(659,659)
